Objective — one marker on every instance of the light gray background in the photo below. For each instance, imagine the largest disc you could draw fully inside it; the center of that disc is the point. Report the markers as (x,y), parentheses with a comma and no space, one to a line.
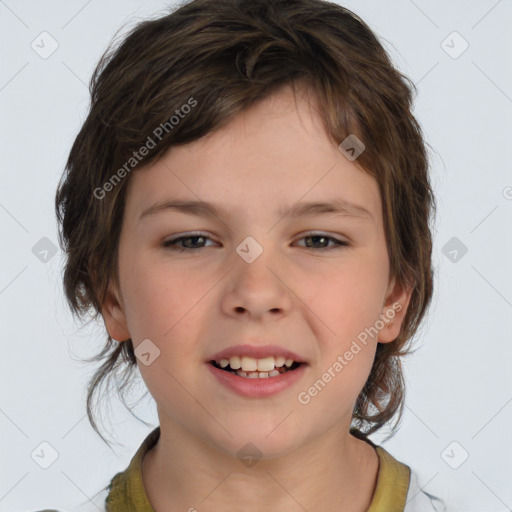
(459,382)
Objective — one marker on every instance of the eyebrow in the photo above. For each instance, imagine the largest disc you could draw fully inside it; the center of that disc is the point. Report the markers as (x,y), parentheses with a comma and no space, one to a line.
(203,209)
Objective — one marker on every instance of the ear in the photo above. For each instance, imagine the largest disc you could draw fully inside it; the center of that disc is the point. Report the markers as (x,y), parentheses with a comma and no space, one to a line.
(114,316)
(395,307)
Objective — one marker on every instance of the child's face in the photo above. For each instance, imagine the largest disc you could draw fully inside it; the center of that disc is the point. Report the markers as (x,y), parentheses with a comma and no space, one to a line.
(296,294)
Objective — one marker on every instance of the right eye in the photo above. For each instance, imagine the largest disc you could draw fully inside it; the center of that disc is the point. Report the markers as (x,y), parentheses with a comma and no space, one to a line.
(192,242)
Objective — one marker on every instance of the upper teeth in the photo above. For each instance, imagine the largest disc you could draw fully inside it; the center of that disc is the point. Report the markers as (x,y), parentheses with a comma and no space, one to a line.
(250,364)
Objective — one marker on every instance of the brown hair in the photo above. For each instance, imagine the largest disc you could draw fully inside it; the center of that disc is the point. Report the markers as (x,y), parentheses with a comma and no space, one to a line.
(226,55)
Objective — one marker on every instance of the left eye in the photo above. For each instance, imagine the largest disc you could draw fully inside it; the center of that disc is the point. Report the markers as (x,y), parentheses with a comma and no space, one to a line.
(319,238)
(190,243)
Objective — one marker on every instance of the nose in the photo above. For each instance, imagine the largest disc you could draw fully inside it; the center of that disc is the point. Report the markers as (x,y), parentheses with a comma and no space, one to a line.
(257,290)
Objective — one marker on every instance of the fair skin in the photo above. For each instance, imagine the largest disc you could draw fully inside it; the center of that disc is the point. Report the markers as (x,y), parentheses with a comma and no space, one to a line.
(297,294)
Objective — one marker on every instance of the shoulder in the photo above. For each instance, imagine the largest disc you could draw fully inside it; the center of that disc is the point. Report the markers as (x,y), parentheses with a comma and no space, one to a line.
(419,500)
(401,486)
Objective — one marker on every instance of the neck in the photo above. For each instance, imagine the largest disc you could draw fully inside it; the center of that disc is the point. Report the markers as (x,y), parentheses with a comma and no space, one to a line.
(182,472)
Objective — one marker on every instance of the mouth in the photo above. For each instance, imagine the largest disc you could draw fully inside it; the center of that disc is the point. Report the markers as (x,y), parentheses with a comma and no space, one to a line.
(252,368)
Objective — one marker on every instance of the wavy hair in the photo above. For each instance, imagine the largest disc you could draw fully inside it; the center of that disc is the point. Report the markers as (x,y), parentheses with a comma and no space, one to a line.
(228,54)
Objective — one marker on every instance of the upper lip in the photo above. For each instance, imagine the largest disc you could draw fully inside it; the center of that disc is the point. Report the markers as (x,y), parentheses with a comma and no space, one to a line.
(257,352)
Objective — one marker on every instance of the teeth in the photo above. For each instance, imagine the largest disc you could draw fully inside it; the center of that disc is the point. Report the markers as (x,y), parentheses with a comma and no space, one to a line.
(250,364)
(267,364)
(235,362)
(252,368)
(258,375)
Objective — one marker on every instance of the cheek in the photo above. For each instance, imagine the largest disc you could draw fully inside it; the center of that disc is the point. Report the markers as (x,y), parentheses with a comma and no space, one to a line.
(350,296)
(159,300)
(162,306)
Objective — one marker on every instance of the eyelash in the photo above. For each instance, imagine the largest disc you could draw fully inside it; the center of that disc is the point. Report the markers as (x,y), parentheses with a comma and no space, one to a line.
(170,244)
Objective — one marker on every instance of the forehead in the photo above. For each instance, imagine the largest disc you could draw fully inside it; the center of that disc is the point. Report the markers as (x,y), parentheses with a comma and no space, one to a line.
(273,154)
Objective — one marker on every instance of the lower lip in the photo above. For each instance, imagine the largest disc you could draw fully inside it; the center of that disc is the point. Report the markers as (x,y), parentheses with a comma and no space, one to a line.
(257,388)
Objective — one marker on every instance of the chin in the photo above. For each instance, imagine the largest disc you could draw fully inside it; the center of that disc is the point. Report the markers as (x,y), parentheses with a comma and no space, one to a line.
(253,441)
